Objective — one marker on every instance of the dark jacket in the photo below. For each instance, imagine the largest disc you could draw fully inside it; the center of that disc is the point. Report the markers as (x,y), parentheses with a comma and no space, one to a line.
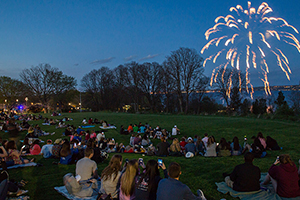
(245,177)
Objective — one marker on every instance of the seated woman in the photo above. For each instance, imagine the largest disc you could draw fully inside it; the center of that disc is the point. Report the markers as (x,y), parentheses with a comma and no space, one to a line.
(199,145)
(145,140)
(146,183)
(210,147)
(262,140)
(236,148)
(175,149)
(272,144)
(284,177)
(66,154)
(256,148)
(35,148)
(110,177)
(127,183)
(26,147)
(223,148)
(15,155)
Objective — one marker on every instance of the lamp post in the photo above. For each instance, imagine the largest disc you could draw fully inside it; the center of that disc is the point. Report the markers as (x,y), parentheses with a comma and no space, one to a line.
(26,99)
(5,103)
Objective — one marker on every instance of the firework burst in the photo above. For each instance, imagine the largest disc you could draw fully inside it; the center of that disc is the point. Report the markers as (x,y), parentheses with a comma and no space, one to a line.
(247,34)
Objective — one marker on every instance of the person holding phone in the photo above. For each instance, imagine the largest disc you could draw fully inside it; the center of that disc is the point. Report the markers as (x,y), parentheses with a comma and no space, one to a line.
(147,182)
(283,175)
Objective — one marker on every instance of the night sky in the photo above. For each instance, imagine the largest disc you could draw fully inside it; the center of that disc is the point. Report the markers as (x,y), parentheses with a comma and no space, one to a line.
(78,36)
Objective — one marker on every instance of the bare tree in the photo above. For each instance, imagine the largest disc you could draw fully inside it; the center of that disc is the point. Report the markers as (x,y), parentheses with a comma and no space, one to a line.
(186,69)
(45,81)
(168,87)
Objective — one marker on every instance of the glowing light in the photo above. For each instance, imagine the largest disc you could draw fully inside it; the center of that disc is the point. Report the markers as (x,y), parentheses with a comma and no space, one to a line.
(250,32)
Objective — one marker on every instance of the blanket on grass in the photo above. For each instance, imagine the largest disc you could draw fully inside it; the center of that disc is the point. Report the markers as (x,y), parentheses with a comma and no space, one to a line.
(63,191)
(108,127)
(22,165)
(268,194)
(88,126)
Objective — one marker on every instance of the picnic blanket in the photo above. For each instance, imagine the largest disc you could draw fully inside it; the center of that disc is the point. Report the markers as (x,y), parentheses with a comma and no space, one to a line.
(107,127)
(32,164)
(88,126)
(268,194)
(62,190)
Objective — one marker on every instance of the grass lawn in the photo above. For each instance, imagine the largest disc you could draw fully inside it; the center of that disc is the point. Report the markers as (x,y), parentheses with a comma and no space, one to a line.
(197,172)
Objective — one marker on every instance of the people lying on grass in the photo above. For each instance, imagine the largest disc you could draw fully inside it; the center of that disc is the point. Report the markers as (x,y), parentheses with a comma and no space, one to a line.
(210,147)
(163,147)
(68,155)
(172,188)
(256,148)
(15,155)
(35,148)
(262,139)
(175,149)
(110,177)
(223,148)
(200,146)
(236,148)
(205,139)
(61,124)
(25,125)
(127,183)
(190,147)
(86,168)
(283,175)
(272,144)
(147,182)
(244,177)
(145,140)
(46,151)
(182,144)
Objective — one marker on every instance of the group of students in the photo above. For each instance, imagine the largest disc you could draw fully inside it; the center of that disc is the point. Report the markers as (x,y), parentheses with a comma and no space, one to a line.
(128,181)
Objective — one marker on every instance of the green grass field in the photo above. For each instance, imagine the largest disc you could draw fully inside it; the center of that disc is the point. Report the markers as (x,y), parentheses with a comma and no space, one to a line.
(197,172)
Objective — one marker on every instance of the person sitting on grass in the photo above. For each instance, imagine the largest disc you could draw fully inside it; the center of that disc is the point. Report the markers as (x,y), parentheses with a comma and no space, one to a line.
(147,182)
(199,146)
(236,148)
(190,147)
(35,148)
(223,148)
(127,183)
(163,147)
(210,147)
(256,148)
(15,155)
(46,151)
(87,168)
(175,149)
(284,177)
(245,177)
(110,177)
(172,188)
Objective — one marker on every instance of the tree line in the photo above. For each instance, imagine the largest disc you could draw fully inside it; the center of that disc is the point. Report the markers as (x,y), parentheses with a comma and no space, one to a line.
(177,85)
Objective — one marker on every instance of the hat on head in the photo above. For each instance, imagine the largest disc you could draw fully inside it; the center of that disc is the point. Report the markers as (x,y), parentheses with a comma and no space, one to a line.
(175,126)
(189,138)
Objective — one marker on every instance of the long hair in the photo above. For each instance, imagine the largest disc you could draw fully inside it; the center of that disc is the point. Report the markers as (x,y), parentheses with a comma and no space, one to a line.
(113,168)
(236,144)
(210,141)
(11,145)
(128,178)
(151,172)
(65,149)
(285,158)
(224,145)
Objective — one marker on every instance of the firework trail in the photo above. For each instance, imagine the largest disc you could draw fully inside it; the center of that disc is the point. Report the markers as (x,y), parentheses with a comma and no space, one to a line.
(250,31)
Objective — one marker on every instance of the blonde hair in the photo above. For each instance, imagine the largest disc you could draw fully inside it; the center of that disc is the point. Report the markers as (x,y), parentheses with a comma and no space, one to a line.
(113,168)
(128,178)
(285,158)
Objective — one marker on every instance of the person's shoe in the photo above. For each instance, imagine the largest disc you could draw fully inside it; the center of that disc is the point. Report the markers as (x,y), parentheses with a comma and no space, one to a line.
(201,194)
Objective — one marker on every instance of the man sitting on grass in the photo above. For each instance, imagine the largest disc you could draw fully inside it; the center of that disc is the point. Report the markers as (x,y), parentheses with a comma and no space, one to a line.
(245,177)
(172,189)
(47,149)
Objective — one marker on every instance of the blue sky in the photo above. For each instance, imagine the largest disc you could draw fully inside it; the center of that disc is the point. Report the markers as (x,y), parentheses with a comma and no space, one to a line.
(78,36)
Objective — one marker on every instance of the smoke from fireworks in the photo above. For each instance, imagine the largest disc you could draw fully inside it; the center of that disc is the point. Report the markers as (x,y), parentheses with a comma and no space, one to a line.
(250,31)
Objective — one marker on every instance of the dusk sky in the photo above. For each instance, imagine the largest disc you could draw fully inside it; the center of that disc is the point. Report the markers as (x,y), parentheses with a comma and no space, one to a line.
(78,36)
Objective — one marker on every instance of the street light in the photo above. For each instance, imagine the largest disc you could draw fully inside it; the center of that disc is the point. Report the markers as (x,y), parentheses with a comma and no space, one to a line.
(5,103)
(17,100)
(26,99)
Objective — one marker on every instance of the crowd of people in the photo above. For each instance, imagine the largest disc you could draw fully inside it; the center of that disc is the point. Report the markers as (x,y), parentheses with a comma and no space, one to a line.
(133,179)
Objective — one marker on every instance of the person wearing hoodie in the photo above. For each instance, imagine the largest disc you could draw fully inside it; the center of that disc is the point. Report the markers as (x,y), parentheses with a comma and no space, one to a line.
(283,175)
